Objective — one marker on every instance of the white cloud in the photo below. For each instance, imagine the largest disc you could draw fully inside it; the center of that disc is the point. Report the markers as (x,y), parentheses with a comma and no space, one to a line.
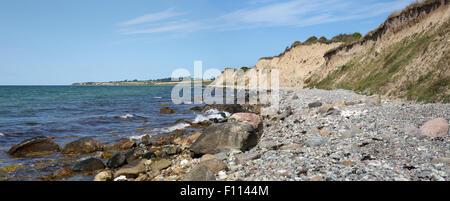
(267,13)
(152,17)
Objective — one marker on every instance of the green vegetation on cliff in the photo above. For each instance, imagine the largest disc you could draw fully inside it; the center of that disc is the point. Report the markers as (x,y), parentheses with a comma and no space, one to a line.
(381,74)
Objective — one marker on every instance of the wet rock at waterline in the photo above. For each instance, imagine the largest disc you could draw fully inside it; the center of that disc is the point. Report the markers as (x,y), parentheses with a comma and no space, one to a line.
(166,110)
(83,146)
(90,164)
(117,160)
(36,146)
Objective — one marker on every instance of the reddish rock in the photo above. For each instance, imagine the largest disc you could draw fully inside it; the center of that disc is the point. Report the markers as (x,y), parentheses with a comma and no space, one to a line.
(435,128)
(250,118)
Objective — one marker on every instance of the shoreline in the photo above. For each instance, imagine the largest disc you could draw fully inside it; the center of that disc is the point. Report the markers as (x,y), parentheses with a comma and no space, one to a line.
(316,135)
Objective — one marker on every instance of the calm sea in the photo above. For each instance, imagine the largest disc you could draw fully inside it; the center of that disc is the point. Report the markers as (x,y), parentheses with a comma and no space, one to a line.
(106,113)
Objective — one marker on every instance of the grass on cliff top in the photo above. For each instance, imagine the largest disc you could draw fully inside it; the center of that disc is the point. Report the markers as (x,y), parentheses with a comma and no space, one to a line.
(344,38)
(370,76)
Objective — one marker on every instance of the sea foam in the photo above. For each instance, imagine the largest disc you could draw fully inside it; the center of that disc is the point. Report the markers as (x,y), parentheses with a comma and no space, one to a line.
(127,116)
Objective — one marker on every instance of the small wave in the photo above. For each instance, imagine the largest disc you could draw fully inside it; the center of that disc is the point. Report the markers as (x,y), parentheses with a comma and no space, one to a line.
(200,118)
(127,116)
(2,134)
(211,114)
(137,137)
(178,126)
(157,97)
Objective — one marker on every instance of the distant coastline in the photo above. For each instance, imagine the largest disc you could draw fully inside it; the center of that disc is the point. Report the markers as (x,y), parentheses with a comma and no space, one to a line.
(164,81)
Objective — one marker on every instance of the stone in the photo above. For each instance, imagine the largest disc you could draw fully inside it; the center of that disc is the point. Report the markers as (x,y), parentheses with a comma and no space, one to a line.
(325,109)
(215,165)
(187,140)
(350,133)
(316,178)
(291,147)
(121,178)
(374,101)
(324,132)
(90,164)
(83,146)
(200,173)
(143,177)
(172,150)
(348,163)
(160,164)
(149,155)
(315,104)
(286,113)
(178,171)
(166,110)
(207,157)
(222,175)
(132,170)
(103,176)
(221,155)
(107,154)
(314,141)
(133,155)
(124,144)
(224,137)
(36,146)
(244,157)
(250,118)
(435,128)
(410,129)
(117,160)
(444,160)
(63,173)
(161,154)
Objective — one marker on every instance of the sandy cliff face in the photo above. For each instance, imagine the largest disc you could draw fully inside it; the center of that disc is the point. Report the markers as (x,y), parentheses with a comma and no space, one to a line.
(406,56)
(294,65)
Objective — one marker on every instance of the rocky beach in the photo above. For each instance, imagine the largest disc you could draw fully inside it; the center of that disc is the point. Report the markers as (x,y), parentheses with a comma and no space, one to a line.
(317,135)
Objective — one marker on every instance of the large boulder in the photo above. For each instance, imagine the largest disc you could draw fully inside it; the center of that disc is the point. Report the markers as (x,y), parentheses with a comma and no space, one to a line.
(187,140)
(90,164)
(200,173)
(435,128)
(225,137)
(250,118)
(83,146)
(40,145)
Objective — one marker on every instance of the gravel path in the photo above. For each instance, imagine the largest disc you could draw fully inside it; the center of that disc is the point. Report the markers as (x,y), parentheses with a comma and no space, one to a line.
(349,137)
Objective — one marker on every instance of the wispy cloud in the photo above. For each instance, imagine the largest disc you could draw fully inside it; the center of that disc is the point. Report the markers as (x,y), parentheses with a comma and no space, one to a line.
(153,17)
(264,13)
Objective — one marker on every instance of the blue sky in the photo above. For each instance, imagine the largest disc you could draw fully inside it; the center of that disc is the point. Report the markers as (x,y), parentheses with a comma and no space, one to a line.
(61,42)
